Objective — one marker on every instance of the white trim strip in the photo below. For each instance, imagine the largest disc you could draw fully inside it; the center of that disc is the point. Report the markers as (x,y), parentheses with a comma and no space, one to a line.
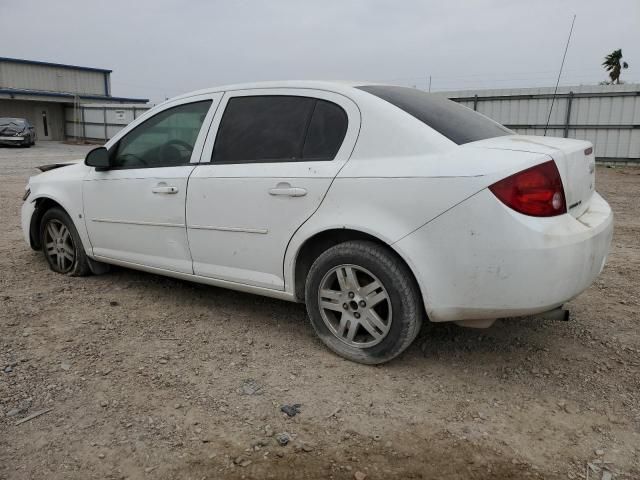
(130,222)
(261,231)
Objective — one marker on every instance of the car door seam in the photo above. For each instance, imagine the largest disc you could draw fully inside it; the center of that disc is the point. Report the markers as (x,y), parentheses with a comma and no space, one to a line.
(195,165)
(286,250)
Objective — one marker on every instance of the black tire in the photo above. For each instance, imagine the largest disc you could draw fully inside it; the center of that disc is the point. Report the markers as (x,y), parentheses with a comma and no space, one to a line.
(78,265)
(403,295)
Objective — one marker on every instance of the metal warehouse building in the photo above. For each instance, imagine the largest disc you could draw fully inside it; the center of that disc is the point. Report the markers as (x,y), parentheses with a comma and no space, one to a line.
(49,94)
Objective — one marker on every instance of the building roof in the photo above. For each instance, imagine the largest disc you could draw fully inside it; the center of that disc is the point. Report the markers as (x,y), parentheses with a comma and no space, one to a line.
(12,92)
(58,65)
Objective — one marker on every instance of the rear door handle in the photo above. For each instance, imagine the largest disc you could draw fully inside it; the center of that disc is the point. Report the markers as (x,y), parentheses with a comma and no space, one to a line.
(164,188)
(287,190)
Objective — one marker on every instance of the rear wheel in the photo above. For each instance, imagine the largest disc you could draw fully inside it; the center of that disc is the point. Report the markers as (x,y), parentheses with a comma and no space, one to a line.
(363,302)
(61,244)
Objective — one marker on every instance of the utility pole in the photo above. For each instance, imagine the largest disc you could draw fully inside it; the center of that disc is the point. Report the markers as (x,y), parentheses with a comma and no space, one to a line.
(429,83)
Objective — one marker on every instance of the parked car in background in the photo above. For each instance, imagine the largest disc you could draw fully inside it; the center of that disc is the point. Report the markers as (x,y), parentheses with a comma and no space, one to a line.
(17,131)
(377,206)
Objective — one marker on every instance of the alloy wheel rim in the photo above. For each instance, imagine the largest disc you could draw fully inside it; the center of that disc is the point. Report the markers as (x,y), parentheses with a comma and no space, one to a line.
(355,306)
(58,243)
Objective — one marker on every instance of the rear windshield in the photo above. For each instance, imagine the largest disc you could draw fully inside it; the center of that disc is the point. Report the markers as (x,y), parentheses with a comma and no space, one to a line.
(8,121)
(456,122)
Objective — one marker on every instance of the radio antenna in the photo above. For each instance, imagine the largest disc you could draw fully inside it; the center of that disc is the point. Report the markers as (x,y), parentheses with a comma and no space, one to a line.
(553,99)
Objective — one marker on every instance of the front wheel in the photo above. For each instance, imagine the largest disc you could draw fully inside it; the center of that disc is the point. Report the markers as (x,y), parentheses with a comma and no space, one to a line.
(61,244)
(363,302)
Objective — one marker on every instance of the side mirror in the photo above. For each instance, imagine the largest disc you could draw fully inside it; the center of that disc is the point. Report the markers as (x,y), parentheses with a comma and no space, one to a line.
(99,158)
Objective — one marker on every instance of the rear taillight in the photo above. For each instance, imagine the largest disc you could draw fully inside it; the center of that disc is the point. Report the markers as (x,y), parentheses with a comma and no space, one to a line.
(536,191)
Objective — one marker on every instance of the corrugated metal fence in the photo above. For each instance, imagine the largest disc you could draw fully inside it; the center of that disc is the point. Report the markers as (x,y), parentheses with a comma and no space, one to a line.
(606,115)
(100,122)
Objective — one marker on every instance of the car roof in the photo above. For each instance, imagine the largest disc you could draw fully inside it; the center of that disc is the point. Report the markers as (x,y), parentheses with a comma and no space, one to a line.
(338,86)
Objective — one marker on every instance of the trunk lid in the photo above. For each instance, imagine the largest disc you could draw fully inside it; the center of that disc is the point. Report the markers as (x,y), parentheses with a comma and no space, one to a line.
(575,160)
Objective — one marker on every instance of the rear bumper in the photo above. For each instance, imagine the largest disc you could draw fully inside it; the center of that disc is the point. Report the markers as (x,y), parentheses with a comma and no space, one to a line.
(483,260)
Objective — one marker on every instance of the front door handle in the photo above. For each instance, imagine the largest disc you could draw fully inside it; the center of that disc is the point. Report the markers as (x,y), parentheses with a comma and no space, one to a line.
(287,190)
(164,188)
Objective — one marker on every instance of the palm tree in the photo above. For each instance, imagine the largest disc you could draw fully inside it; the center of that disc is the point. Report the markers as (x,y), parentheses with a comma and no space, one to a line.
(613,65)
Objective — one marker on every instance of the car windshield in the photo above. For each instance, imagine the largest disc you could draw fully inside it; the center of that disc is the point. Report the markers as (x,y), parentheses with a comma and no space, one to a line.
(456,122)
(11,121)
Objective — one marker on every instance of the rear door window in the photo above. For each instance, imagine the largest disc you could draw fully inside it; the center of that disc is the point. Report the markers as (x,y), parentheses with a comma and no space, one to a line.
(327,129)
(279,128)
(456,122)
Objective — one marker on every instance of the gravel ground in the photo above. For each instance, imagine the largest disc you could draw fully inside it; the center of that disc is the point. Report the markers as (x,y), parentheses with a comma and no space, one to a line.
(150,377)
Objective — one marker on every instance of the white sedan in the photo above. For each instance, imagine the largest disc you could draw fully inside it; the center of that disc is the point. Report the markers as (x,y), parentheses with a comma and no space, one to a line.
(378,206)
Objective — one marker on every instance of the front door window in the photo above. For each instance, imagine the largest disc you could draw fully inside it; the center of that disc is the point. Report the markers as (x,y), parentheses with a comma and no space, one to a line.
(165,140)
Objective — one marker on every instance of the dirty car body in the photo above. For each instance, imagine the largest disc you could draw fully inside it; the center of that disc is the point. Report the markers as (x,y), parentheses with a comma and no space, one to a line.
(16,131)
(376,205)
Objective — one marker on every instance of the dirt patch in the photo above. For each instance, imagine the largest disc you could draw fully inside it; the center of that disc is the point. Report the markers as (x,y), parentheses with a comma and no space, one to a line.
(150,377)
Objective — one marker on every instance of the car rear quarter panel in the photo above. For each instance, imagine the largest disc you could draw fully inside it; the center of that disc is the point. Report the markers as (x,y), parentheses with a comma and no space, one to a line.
(389,198)
(402,175)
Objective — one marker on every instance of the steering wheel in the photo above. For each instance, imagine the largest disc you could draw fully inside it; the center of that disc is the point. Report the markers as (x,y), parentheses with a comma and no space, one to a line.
(170,146)
(138,159)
